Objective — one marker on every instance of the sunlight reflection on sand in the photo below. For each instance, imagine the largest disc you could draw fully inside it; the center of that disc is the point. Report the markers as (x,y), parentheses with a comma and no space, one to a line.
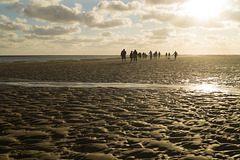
(207,88)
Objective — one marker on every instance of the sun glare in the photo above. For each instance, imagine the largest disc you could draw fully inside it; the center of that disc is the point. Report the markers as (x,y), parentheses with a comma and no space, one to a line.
(207,88)
(204,8)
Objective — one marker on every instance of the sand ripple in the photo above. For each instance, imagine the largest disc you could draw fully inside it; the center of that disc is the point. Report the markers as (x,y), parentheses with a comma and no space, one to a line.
(115,123)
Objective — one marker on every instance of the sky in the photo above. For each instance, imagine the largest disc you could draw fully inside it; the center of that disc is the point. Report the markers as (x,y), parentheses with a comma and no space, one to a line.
(94,27)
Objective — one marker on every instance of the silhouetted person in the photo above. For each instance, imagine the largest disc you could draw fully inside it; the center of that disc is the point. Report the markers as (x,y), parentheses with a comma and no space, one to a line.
(140,55)
(131,55)
(159,54)
(150,54)
(123,55)
(155,54)
(169,55)
(135,55)
(175,55)
(144,55)
(166,54)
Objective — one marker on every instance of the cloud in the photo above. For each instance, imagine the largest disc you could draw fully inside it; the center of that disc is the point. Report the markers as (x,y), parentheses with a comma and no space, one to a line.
(111,23)
(7,28)
(13,26)
(9,1)
(53,31)
(17,39)
(106,34)
(232,11)
(16,5)
(5,18)
(213,37)
(58,13)
(231,15)
(77,40)
(119,6)
(161,33)
(109,37)
(4,34)
(52,13)
(10,36)
(21,20)
(78,6)
(33,36)
(180,21)
(85,40)
(164,2)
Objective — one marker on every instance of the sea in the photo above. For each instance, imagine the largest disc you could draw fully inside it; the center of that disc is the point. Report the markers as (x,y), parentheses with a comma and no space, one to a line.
(46,58)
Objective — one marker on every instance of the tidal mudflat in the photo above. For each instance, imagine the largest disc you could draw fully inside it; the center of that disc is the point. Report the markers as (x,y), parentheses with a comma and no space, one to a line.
(122,123)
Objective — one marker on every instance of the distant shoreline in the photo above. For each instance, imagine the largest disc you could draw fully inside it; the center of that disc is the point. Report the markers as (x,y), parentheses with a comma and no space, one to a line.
(9,59)
(16,59)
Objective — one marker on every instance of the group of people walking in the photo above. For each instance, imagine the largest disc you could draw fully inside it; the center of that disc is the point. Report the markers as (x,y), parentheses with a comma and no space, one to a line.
(134,55)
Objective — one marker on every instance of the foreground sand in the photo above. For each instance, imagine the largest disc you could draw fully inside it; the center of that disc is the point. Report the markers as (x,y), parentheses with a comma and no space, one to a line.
(113,123)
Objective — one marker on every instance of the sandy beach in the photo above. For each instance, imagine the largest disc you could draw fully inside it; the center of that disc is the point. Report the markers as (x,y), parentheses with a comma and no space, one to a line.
(108,123)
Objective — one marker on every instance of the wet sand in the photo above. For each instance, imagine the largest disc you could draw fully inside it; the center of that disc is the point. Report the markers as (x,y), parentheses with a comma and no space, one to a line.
(121,123)
(222,70)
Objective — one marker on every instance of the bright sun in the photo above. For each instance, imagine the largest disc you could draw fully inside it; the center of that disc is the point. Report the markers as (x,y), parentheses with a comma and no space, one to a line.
(204,8)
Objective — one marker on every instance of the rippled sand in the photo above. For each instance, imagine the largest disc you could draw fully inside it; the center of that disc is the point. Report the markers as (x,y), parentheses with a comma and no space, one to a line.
(122,123)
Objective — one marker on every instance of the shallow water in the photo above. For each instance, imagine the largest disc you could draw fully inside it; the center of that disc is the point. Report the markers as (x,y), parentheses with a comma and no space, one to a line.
(202,87)
(45,58)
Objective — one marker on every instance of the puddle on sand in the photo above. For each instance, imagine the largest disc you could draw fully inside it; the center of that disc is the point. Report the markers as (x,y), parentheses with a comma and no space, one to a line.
(202,87)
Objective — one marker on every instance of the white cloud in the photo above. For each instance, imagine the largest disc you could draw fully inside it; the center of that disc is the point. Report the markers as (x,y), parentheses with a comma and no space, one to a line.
(17,39)
(33,36)
(51,32)
(232,11)
(59,13)
(106,34)
(9,1)
(4,34)
(16,5)
(10,37)
(232,15)
(44,3)
(119,22)
(138,25)
(51,13)
(213,37)
(78,6)
(13,26)
(5,18)
(84,39)
(110,37)
(164,2)
(119,6)
(181,21)
(21,20)
(161,33)
(54,30)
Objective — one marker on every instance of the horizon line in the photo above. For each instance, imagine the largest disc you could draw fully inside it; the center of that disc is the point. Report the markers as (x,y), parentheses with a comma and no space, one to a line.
(184,54)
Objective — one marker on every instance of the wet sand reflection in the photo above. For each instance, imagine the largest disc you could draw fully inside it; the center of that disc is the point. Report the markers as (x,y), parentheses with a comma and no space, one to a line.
(207,88)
